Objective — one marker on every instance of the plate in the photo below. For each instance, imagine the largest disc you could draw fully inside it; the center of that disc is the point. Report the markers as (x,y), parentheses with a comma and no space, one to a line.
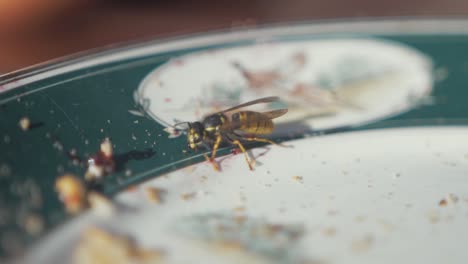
(360,197)
(325,83)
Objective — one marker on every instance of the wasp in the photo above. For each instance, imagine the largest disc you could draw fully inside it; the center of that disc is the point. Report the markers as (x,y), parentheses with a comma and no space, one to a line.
(235,126)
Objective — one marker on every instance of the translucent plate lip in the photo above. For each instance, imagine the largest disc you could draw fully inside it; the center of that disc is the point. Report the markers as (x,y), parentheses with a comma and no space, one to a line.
(129,50)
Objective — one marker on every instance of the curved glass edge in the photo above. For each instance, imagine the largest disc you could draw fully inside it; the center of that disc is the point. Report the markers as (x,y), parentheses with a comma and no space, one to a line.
(389,26)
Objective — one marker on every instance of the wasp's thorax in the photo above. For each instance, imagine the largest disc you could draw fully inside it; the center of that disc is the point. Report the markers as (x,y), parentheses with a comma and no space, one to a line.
(195,134)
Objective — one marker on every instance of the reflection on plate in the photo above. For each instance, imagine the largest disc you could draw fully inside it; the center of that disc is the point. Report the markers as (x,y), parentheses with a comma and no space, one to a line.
(326,83)
(385,196)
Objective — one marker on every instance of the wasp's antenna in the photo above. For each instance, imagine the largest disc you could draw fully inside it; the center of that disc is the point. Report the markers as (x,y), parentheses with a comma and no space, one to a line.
(179,127)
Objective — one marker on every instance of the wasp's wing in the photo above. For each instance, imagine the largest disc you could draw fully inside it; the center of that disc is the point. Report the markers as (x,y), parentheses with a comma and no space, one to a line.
(257,101)
(275,113)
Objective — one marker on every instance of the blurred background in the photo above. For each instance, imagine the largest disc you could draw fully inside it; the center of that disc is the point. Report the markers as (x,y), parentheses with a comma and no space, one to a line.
(36,31)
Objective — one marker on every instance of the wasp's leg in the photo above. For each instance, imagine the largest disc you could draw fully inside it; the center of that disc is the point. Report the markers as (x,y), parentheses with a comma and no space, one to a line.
(213,153)
(215,147)
(213,162)
(250,161)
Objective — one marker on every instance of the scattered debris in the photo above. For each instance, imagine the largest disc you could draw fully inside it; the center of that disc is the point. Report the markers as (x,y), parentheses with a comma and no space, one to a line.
(132,188)
(34,224)
(99,246)
(25,123)
(433,216)
(239,209)
(332,212)
(329,231)
(188,196)
(172,131)
(5,170)
(297,178)
(72,193)
(362,244)
(102,163)
(387,226)
(450,199)
(273,241)
(155,194)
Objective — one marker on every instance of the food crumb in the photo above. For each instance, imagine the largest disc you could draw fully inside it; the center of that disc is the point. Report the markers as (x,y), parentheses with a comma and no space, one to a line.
(240,219)
(34,224)
(450,199)
(188,196)
(297,178)
(25,123)
(154,194)
(173,133)
(332,212)
(132,188)
(329,231)
(360,218)
(72,193)
(362,244)
(102,163)
(99,246)
(387,226)
(106,147)
(433,216)
(5,170)
(58,145)
(235,151)
(239,209)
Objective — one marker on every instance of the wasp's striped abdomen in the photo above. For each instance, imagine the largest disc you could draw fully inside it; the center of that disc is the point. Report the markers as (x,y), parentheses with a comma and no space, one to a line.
(252,122)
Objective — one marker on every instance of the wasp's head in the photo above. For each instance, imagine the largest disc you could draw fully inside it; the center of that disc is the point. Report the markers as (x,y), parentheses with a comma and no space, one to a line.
(195,135)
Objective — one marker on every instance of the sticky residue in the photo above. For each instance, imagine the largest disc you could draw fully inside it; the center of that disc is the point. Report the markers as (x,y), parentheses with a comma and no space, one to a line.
(274,241)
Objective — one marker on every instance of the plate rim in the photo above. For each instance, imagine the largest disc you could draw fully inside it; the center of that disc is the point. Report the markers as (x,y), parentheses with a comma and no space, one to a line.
(123,51)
